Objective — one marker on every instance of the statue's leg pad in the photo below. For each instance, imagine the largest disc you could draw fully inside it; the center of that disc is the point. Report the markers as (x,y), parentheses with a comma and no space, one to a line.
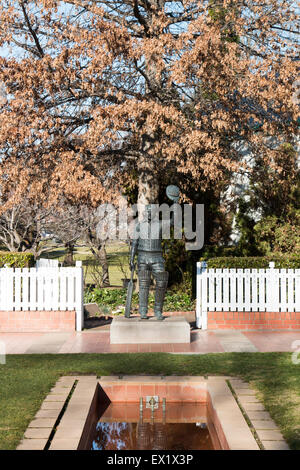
(144,286)
(161,278)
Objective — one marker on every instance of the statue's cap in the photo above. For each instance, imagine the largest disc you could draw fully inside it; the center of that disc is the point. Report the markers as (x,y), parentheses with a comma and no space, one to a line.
(173,192)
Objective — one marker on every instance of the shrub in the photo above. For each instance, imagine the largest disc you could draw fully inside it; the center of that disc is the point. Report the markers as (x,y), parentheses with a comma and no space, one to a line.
(176,258)
(177,299)
(212,251)
(112,297)
(273,235)
(282,261)
(16,260)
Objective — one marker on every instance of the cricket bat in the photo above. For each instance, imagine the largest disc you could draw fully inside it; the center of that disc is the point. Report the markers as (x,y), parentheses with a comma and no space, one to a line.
(129,295)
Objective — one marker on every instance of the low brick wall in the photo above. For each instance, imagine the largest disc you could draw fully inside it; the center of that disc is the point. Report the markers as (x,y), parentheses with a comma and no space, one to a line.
(37,321)
(174,389)
(253,320)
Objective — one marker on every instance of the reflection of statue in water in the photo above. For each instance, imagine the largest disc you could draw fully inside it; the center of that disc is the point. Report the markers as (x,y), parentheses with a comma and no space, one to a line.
(159,437)
(143,436)
(147,245)
(151,436)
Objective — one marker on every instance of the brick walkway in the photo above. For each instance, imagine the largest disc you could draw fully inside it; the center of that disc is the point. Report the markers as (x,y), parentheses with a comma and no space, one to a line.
(202,342)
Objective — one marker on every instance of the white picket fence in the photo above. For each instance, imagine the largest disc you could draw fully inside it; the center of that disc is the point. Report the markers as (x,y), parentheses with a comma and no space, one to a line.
(246,290)
(46,263)
(43,288)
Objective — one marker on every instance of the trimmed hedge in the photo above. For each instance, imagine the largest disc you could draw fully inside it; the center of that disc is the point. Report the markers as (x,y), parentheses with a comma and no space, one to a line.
(16,260)
(254,262)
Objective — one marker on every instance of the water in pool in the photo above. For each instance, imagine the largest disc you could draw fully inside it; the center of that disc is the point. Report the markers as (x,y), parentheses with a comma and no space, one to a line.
(151,436)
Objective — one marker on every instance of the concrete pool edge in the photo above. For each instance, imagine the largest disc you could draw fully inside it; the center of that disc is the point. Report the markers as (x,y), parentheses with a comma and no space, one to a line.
(74,425)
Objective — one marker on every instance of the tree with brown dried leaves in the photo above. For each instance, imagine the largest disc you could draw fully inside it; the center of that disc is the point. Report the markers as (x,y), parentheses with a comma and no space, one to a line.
(99,92)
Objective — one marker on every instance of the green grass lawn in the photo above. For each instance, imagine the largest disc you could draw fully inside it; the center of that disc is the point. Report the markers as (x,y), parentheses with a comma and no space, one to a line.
(117,256)
(26,379)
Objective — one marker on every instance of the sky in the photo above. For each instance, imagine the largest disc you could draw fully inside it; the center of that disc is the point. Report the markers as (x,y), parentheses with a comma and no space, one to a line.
(17,52)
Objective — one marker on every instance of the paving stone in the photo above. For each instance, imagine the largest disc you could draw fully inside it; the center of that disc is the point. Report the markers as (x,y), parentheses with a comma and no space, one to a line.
(275,445)
(234,341)
(238,383)
(253,407)
(38,433)
(70,422)
(42,423)
(68,433)
(58,398)
(244,391)
(52,405)
(218,387)
(48,343)
(237,432)
(60,391)
(239,386)
(83,391)
(238,435)
(256,414)
(86,378)
(206,341)
(81,400)
(233,417)
(243,399)
(78,408)
(64,444)
(66,381)
(86,384)
(264,424)
(242,443)
(272,435)
(47,414)
(32,444)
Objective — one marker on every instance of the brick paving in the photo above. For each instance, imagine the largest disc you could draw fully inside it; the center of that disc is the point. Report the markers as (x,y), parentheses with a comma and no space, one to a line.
(97,341)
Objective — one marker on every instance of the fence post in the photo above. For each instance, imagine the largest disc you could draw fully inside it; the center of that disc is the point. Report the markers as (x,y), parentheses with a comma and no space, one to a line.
(79,296)
(272,289)
(201,293)
(9,293)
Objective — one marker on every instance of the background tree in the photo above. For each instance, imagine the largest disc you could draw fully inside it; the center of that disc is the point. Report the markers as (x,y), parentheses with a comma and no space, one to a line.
(99,91)
(77,225)
(269,217)
(22,228)
(65,225)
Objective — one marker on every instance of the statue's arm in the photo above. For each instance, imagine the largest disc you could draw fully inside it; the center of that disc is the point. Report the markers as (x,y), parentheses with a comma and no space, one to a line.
(175,200)
(172,218)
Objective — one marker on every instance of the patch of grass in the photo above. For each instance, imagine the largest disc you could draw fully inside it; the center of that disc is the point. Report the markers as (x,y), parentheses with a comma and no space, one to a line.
(117,254)
(26,379)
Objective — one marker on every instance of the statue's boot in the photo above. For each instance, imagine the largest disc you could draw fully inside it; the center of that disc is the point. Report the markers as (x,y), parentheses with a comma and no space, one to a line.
(160,291)
(144,285)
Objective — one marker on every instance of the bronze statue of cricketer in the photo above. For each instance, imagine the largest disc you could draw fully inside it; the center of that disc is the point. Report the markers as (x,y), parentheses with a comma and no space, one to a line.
(148,248)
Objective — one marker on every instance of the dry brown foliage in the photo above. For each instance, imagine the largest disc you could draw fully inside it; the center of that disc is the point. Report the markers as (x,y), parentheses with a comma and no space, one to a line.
(150,84)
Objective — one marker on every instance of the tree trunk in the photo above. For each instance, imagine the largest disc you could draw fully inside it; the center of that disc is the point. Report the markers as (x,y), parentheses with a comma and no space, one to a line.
(147,165)
(68,259)
(100,254)
(148,185)
(104,265)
